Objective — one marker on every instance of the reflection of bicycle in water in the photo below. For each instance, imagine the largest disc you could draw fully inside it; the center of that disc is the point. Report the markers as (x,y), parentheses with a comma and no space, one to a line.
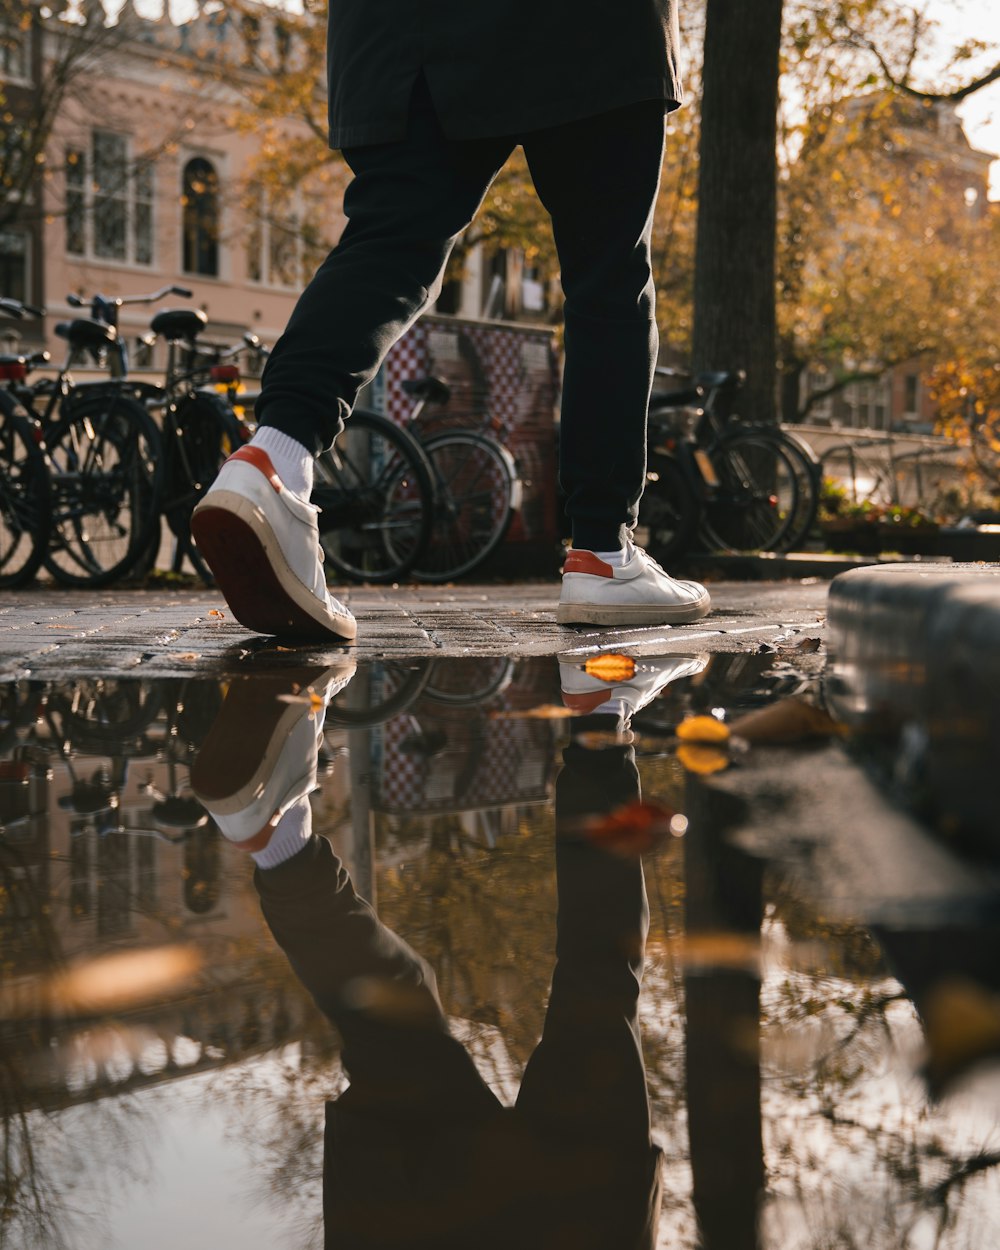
(114,722)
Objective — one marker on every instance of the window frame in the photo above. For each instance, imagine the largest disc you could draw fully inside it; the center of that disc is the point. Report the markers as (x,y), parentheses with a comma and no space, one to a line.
(85,198)
(214,163)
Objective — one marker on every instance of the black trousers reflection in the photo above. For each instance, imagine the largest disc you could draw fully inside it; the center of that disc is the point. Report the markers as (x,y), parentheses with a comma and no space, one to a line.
(419,1151)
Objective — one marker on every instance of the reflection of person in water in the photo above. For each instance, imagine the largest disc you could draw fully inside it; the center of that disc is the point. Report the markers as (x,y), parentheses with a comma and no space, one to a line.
(419,1151)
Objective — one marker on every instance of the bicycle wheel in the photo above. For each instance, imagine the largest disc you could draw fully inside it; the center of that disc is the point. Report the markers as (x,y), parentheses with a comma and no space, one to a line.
(107,475)
(375,493)
(200,434)
(474,500)
(393,686)
(808,476)
(756,501)
(669,512)
(25,499)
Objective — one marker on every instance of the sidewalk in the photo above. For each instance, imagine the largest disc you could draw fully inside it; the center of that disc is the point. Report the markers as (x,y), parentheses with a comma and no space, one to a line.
(47,633)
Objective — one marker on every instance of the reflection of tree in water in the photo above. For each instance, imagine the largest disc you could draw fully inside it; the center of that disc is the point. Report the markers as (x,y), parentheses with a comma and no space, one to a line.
(856,1155)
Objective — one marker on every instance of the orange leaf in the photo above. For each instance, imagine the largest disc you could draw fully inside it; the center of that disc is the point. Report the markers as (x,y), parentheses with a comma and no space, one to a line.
(610,667)
(702,729)
(632,829)
(702,759)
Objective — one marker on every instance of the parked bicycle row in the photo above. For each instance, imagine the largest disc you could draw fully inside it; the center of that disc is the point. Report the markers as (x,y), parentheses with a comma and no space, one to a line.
(90,469)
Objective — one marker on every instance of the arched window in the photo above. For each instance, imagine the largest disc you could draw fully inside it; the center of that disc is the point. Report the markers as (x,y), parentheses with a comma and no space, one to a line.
(200,203)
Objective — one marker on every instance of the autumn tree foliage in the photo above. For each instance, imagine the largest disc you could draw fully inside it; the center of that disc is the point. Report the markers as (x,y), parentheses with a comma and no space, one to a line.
(875,261)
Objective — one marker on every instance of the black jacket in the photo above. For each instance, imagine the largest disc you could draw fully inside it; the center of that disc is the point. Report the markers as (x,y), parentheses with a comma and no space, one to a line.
(495,67)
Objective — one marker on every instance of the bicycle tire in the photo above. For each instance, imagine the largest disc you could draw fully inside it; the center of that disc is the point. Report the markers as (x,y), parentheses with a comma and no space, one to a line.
(375,494)
(747,513)
(466,683)
(474,484)
(398,683)
(200,435)
(107,479)
(669,510)
(809,475)
(25,499)
(105,716)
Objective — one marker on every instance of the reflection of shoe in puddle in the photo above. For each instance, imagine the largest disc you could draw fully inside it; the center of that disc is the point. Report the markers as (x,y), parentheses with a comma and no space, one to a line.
(620,685)
(259,757)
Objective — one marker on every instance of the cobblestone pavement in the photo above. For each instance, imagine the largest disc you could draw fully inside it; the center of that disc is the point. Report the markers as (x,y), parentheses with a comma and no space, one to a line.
(165,631)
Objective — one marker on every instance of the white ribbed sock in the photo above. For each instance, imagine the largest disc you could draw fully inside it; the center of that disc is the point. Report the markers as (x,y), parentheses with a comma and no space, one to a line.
(617,559)
(292,462)
(290,834)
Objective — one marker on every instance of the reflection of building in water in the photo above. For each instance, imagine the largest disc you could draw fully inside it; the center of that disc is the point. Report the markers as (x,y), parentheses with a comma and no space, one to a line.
(87,870)
(108,853)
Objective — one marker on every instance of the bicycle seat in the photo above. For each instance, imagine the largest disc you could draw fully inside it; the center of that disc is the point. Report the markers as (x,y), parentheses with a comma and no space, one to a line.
(431,390)
(726,379)
(179,323)
(84,333)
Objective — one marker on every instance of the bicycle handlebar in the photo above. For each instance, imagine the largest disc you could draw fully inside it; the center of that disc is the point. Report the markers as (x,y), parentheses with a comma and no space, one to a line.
(78,301)
(15,308)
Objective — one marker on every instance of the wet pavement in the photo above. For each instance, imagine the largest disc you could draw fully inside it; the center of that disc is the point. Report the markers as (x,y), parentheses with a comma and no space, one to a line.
(180,632)
(617,936)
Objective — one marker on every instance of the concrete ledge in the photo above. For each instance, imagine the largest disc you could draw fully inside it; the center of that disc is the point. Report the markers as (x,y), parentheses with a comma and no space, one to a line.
(915,658)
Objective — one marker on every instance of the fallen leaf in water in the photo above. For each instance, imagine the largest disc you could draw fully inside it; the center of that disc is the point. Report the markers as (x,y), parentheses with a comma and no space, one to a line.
(702,729)
(610,667)
(719,949)
(108,982)
(544,711)
(595,740)
(631,830)
(786,722)
(697,758)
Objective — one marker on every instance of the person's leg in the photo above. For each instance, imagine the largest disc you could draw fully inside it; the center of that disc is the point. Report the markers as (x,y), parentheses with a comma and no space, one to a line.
(599,178)
(254,527)
(406,206)
(584,1088)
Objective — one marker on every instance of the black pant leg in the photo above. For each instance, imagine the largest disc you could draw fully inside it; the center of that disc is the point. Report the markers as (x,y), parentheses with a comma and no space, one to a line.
(598,178)
(380,994)
(406,206)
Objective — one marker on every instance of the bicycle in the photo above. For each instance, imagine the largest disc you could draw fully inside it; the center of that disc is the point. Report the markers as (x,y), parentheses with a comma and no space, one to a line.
(199,428)
(468,480)
(741,487)
(375,493)
(25,490)
(102,452)
(477,488)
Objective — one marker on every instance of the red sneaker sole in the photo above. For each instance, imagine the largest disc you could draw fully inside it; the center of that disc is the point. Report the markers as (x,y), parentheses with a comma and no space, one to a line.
(243,571)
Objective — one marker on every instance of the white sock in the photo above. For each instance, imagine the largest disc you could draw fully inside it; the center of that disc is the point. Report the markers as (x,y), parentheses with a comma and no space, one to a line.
(290,834)
(617,559)
(292,462)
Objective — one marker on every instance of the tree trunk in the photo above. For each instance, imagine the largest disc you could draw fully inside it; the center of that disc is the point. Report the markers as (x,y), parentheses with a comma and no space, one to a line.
(791,390)
(734,289)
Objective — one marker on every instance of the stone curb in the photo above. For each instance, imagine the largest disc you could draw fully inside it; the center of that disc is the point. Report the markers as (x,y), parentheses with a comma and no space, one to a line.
(915,654)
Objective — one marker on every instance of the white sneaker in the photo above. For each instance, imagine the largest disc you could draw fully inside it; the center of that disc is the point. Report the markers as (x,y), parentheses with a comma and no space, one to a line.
(262,544)
(260,755)
(638,593)
(586,694)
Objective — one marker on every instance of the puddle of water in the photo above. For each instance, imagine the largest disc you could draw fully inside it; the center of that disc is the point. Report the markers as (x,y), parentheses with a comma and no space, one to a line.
(507,856)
